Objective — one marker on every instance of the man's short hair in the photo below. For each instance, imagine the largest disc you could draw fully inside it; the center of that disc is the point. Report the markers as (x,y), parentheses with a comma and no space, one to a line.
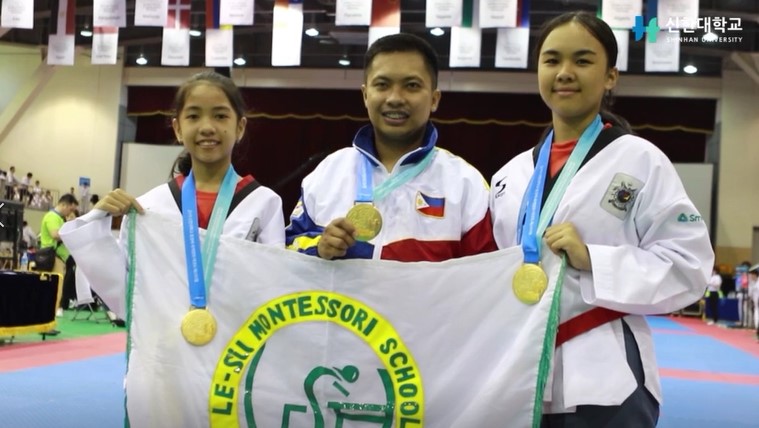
(68,199)
(404,42)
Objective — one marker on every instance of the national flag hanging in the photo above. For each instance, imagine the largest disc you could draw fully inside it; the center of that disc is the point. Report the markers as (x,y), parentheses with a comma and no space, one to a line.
(212,13)
(66,22)
(219,38)
(17,14)
(386,19)
(60,44)
(105,45)
(178,15)
(287,33)
(466,41)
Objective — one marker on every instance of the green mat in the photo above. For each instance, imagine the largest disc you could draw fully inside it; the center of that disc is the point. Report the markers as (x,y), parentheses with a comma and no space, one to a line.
(71,329)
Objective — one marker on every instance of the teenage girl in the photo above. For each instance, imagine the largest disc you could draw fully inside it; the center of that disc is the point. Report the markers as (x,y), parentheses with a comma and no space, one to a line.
(619,221)
(208,120)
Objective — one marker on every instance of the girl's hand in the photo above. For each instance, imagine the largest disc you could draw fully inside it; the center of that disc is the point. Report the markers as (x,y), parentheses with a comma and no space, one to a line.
(564,237)
(117,202)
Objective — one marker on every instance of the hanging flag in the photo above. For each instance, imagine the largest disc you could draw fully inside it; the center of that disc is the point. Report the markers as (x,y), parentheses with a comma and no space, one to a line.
(175,49)
(663,54)
(677,14)
(17,14)
(287,33)
(150,13)
(498,13)
(105,45)
(466,40)
(386,19)
(443,13)
(353,12)
(219,38)
(60,45)
(512,46)
(109,13)
(623,48)
(621,13)
(236,12)
(178,14)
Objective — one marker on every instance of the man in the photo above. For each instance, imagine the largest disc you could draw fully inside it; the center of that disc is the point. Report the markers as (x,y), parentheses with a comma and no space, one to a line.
(49,237)
(394,195)
(28,236)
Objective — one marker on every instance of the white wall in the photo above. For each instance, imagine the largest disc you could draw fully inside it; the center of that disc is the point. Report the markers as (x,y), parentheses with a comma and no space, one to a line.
(61,123)
(738,202)
(17,63)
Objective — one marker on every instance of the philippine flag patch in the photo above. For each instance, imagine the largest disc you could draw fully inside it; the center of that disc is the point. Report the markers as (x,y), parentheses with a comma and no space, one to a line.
(429,206)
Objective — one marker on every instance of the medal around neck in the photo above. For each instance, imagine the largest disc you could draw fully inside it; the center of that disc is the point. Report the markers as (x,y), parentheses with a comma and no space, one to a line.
(529,283)
(367,220)
(198,326)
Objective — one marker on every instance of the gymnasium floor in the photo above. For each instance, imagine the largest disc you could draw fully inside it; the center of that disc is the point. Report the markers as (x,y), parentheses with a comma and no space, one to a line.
(710,376)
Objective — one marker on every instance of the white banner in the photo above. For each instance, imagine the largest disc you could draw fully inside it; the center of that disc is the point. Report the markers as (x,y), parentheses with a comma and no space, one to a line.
(105,46)
(175,48)
(303,341)
(60,49)
(674,14)
(17,14)
(663,54)
(236,12)
(219,47)
(353,12)
(621,13)
(443,13)
(150,13)
(376,33)
(466,44)
(623,48)
(109,13)
(512,47)
(287,34)
(498,13)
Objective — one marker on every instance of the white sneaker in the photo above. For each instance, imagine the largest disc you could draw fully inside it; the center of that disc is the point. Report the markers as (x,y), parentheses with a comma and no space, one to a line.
(710,323)
(59,312)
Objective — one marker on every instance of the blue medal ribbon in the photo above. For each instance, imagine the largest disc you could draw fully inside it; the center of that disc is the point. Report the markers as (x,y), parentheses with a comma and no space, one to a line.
(533,220)
(200,261)
(364,192)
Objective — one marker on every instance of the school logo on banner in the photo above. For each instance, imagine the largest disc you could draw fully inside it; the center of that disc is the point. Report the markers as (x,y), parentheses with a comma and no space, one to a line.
(430,206)
(380,393)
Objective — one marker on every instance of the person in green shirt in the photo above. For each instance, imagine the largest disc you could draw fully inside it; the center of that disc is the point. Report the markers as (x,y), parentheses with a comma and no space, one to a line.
(49,237)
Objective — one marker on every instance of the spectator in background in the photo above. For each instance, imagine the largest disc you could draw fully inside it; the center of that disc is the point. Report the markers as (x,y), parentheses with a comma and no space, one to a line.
(713,293)
(10,182)
(28,236)
(24,188)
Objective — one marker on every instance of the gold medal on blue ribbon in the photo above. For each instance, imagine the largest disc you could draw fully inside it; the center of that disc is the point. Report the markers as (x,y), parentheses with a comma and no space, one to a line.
(529,283)
(198,326)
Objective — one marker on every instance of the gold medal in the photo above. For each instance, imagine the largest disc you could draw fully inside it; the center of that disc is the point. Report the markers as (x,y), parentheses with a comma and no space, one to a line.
(198,326)
(366,219)
(529,283)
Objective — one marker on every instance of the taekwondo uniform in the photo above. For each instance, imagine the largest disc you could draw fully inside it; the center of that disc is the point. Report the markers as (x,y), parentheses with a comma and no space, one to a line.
(649,250)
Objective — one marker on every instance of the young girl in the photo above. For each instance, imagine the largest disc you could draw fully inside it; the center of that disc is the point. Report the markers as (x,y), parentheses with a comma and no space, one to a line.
(209,120)
(633,240)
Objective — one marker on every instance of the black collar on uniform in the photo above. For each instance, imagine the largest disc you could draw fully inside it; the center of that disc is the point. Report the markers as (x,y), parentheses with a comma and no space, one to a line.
(604,139)
(241,194)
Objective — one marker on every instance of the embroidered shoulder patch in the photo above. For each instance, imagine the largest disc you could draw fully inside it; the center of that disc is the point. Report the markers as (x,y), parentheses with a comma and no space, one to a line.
(620,195)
